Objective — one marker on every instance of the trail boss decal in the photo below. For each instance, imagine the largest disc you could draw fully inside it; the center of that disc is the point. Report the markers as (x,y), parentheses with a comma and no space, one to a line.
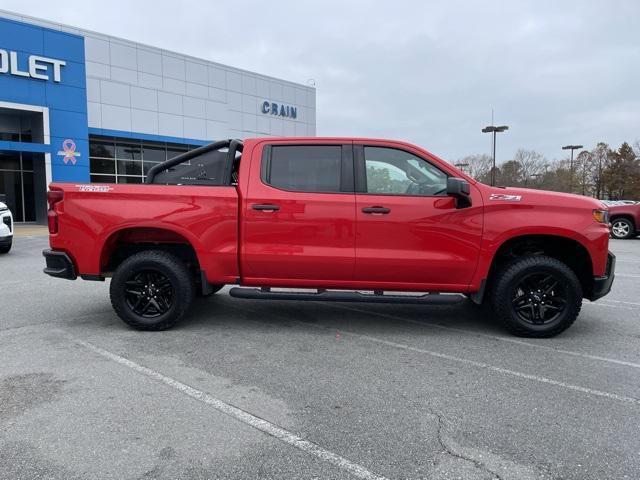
(505,198)
(94,188)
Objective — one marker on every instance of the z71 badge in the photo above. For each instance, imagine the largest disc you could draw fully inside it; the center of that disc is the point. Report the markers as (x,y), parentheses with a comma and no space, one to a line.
(505,198)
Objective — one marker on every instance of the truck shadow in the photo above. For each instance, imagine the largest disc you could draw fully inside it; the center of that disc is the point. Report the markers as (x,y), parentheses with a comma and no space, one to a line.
(365,317)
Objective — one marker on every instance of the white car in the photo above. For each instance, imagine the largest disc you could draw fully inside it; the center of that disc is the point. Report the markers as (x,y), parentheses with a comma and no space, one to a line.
(6,228)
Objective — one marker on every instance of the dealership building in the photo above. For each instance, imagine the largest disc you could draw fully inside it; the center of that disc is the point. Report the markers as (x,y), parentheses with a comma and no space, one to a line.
(80,106)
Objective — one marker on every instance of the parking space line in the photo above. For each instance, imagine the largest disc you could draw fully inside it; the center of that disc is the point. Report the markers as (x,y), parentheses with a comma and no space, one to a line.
(243,416)
(502,339)
(621,301)
(609,305)
(474,363)
(466,361)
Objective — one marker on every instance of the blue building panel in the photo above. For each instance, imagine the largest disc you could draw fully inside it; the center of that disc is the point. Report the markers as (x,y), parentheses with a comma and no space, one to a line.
(63,45)
(21,37)
(66,98)
(21,90)
(147,136)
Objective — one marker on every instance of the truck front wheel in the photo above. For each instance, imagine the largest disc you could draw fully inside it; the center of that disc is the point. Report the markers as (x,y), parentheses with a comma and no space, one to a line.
(536,296)
(151,290)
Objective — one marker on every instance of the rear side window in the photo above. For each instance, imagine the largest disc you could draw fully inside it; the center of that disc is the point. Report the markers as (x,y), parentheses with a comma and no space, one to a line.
(206,169)
(304,168)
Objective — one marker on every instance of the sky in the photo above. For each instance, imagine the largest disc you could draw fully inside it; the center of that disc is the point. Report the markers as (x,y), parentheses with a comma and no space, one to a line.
(556,72)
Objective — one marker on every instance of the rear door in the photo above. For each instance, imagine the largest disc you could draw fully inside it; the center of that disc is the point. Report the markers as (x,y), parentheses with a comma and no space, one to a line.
(409,233)
(299,215)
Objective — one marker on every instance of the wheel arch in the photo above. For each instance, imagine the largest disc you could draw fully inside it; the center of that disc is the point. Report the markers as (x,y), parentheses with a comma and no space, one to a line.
(126,241)
(567,249)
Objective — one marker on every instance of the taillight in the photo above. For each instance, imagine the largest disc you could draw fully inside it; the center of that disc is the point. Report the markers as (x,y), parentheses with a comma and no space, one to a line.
(53,197)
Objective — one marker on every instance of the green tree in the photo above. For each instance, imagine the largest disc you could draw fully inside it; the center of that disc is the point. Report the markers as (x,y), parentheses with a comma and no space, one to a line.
(622,173)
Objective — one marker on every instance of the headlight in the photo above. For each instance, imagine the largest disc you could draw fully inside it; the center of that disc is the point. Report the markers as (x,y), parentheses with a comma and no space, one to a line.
(601,216)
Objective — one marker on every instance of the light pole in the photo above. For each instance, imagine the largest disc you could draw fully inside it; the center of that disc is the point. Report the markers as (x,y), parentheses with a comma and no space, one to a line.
(572,148)
(461,165)
(493,129)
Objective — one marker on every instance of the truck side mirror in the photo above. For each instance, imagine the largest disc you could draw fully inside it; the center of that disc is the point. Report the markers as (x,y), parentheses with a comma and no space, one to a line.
(460,189)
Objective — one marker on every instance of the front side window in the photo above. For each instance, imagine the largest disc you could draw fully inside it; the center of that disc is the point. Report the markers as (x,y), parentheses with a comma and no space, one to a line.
(390,171)
(305,168)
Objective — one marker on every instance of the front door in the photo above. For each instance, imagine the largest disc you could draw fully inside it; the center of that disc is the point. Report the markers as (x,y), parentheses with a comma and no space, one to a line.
(299,216)
(409,233)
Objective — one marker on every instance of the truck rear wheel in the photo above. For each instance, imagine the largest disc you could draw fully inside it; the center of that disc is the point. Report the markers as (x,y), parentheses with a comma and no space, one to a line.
(536,296)
(151,290)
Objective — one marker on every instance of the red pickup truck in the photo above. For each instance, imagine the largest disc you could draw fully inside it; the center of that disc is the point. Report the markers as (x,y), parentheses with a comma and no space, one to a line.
(345,219)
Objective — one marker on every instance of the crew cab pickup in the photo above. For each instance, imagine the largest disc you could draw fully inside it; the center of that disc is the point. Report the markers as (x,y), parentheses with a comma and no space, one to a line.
(344,219)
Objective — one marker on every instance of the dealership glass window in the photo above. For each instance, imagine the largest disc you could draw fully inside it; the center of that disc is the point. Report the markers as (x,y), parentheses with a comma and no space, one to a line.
(154,153)
(128,151)
(20,126)
(305,168)
(123,160)
(102,149)
(103,179)
(129,167)
(102,166)
(395,172)
(17,184)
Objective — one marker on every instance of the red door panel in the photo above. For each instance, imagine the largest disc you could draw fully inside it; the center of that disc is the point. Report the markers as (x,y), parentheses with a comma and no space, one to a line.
(308,240)
(422,241)
(410,235)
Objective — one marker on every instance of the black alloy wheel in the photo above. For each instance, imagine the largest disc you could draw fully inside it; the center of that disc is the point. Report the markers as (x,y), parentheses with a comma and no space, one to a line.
(535,296)
(152,290)
(149,293)
(539,298)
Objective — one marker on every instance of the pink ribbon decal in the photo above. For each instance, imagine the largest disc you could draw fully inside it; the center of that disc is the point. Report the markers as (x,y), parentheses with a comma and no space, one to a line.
(69,151)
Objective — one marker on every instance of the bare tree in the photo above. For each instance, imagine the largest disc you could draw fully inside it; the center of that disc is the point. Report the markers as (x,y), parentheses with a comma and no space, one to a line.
(531,165)
(583,172)
(600,157)
(477,166)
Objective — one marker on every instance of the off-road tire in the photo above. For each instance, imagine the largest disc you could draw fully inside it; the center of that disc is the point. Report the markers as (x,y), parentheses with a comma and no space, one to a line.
(166,264)
(505,283)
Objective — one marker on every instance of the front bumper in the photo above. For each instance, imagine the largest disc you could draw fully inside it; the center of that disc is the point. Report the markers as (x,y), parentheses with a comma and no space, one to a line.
(602,285)
(6,241)
(59,265)
(6,225)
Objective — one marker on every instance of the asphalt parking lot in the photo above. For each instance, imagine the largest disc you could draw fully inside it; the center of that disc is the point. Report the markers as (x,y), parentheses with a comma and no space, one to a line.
(248,389)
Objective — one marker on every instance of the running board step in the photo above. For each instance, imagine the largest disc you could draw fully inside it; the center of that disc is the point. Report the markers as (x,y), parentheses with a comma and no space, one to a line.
(342,296)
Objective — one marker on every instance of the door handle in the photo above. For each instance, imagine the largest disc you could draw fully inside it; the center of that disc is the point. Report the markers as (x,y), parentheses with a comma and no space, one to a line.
(265,207)
(379,210)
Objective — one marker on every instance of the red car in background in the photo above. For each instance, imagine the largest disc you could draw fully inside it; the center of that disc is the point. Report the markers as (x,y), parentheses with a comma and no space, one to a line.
(625,219)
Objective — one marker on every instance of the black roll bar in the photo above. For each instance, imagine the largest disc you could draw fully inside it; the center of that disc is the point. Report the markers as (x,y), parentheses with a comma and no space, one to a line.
(234,145)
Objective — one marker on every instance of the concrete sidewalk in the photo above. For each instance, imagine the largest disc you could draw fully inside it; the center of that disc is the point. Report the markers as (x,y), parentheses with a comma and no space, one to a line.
(30,230)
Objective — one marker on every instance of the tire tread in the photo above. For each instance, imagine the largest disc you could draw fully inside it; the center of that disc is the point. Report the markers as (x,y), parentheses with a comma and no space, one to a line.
(500,301)
(185,291)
